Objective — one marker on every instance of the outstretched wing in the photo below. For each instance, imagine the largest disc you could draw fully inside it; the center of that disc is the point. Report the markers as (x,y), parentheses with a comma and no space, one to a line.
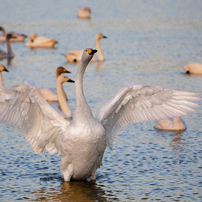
(144,103)
(25,107)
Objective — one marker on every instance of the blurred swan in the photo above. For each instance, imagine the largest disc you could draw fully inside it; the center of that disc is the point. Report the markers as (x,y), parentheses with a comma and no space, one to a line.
(75,55)
(2,68)
(50,94)
(16,36)
(175,123)
(9,54)
(195,68)
(84,12)
(40,41)
(82,141)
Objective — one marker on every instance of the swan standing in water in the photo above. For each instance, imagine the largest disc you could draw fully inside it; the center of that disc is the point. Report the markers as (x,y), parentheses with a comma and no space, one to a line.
(84,12)
(75,55)
(16,36)
(40,41)
(195,68)
(171,124)
(50,94)
(82,141)
(10,54)
(2,68)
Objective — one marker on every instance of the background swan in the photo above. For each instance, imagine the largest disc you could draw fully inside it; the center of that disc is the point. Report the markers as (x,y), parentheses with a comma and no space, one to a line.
(50,94)
(75,55)
(82,141)
(9,54)
(84,12)
(16,36)
(40,41)
(2,68)
(171,124)
(195,68)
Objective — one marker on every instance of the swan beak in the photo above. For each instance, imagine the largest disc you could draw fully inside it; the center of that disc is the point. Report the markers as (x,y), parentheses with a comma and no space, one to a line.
(66,71)
(105,37)
(69,80)
(5,70)
(92,52)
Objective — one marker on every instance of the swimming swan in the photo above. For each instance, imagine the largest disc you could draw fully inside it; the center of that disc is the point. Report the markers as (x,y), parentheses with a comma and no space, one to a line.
(40,41)
(16,36)
(2,68)
(75,55)
(10,54)
(50,94)
(84,12)
(171,124)
(82,141)
(195,68)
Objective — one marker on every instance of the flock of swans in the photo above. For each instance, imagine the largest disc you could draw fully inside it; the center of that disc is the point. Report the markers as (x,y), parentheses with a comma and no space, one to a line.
(78,137)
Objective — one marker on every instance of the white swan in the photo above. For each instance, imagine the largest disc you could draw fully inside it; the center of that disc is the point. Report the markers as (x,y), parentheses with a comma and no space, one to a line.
(50,94)
(75,55)
(84,12)
(40,41)
(171,124)
(2,68)
(82,141)
(9,54)
(16,36)
(195,68)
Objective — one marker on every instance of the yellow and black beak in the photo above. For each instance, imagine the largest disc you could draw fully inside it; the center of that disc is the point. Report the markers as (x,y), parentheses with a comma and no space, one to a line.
(5,70)
(69,80)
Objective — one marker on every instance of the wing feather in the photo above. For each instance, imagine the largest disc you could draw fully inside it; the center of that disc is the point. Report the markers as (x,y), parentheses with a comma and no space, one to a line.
(25,107)
(144,103)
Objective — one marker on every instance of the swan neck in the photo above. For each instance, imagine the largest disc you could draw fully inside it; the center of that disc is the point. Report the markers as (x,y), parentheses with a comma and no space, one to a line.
(82,110)
(62,101)
(1,82)
(99,52)
(10,52)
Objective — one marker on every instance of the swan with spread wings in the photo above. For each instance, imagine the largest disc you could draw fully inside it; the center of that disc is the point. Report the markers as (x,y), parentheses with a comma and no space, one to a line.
(83,140)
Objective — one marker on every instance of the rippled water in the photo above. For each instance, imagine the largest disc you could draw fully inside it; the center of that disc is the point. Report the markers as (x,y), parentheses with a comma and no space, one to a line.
(148,43)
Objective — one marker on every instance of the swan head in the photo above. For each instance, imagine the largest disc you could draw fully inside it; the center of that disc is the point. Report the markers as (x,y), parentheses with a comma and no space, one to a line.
(32,36)
(61,70)
(3,68)
(88,54)
(63,79)
(87,9)
(2,29)
(9,36)
(100,36)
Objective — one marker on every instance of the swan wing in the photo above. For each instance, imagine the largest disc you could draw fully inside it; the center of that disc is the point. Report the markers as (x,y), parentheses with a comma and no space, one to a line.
(144,103)
(25,107)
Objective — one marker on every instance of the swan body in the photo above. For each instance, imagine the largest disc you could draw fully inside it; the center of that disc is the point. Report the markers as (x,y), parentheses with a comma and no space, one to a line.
(50,94)
(9,54)
(40,41)
(15,36)
(2,68)
(84,12)
(75,55)
(195,68)
(83,140)
(175,123)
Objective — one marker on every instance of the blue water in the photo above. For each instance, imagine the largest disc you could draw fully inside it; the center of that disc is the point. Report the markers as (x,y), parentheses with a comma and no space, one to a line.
(148,43)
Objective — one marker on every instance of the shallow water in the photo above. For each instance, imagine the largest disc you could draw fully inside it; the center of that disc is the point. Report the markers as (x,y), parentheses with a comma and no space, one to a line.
(148,43)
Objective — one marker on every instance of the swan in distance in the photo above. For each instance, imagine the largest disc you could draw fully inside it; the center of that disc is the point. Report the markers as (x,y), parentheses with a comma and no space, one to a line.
(195,68)
(84,12)
(9,54)
(83,140)
(40,41)
(75,55)
(175,123)
(2,68)
(50,94)
(16,36)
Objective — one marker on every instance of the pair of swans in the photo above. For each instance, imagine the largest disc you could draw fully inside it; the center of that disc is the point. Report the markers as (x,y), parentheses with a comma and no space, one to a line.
(84,12)
(83,140)
(16,36)
(9,53)
(40,41)
(75,55)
